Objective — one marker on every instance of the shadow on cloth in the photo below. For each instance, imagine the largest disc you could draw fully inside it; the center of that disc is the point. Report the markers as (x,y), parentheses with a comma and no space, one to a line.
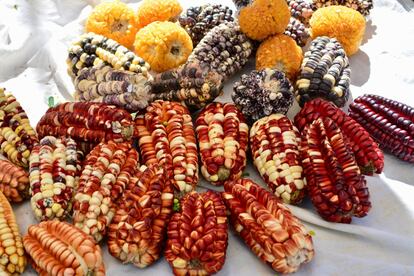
(397,169)
(370,31)
(360,67)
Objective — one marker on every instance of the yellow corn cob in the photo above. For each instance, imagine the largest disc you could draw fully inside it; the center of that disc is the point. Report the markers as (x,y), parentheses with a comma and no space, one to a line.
(14,182)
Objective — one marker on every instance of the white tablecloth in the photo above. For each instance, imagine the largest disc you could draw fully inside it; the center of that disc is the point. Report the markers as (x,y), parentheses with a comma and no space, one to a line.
(34,36)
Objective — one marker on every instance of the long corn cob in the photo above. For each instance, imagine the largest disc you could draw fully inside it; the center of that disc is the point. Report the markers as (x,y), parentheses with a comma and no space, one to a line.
(107,171)
(12,257)
(14,182)
(58,248)
(336,186)
(92,49)
(268,227)
(54,173)
(166,137)
(275,150)
(222,138)
(139,226)
(17,137)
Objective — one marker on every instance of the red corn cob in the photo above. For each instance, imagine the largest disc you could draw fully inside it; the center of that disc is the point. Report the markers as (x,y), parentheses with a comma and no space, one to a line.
(14,182)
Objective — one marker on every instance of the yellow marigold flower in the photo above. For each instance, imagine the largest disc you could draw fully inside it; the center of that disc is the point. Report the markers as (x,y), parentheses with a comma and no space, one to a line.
(158,10)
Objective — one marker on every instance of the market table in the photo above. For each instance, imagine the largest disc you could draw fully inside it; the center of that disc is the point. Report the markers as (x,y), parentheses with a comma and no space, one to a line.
(34,36)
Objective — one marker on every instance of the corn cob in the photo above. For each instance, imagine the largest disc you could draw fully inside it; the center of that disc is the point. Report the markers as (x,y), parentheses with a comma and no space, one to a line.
(104,84)
(92,49)
(54,171)
(192,85)
(275,150)
(12,257)
(87,122)
(137,231)
(336,186)
(267,226)
(14,182)
(17,137)
(107,170)
(363,6)
(197,236)
(369,157)
(298,31)
(389,122)
(222,138)
(58,248)
(166,137)
(301,10)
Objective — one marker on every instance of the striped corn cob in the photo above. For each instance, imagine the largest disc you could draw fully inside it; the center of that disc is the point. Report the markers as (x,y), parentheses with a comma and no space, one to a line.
(389,122)
(107,170)
(58,248)
(17,137)
(197,236)
(336,186)
(12,257)
(275,150)
(87,122)
(92,49)
(54,173)
(166,137)
(267,226)
(222,138)
(139,226)
(369,157)
(14,182)
(104,84)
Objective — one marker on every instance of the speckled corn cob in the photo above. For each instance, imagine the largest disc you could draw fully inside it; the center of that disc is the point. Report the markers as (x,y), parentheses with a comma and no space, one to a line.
(267,226)
(12,259)
(301,10)
(139,226)
(166,137)
(363,6)
(197,236)
(58,248)
(92,49)
(224,49)
(389,122)
(369,157)
(336,186)
(107,170)
(121,88)
(222,136)
(325,73)
(298,31)
(14,182)
(17,137)
(192,85)
(54,172)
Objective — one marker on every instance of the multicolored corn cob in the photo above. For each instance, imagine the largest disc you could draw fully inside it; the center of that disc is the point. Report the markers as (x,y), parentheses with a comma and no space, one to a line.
(58,248)
(298,31)
(267,226)
(138,228)
(222,138)
(389,122)
(336,186)
(14,182)
(107,170)
(301,10)
(166,137)
(197,236)
(363,6)
(275,142)
(369,157)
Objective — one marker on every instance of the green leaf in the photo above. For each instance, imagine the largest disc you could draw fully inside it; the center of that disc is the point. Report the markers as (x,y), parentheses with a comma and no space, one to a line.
(51,101)
(15,7)
(245,174)
(312,233)
(176,205)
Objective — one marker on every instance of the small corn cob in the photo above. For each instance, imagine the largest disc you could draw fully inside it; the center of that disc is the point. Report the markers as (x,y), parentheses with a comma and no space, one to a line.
(107,170)
(267,226)
(222,138)
(369,157)
(389,122)
(298,31)
(17,137)
(139,226)
(336,186)
(166,137)
(92,49)
(363,6)
(12,259)
(104,84)
(275,149)
(54,173)
(301,10)
(14,182)
(87,122)
(58,248)
(197,236)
